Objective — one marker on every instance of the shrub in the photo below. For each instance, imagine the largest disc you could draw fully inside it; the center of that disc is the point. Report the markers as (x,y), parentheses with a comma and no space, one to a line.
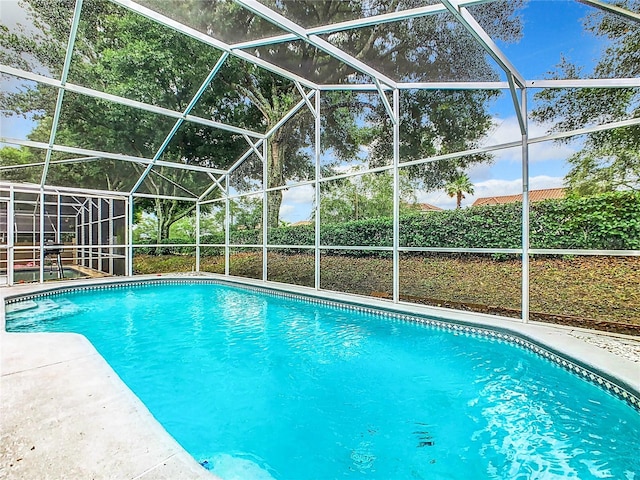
(602,222)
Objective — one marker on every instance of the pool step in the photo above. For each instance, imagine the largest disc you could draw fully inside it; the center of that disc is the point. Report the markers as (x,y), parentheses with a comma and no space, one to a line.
(21,306)
(40,309)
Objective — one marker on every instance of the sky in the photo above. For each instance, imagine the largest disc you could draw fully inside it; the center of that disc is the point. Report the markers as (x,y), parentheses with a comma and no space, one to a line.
(551,28)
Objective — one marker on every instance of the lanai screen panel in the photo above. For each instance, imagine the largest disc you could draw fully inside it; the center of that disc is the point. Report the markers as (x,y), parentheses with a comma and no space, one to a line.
(298,114)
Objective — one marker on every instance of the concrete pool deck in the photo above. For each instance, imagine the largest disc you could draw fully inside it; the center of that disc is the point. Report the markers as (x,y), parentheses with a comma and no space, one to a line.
(66,414)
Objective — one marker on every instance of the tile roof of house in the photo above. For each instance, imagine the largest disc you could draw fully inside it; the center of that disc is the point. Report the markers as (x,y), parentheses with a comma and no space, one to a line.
(534,196)
(427,207)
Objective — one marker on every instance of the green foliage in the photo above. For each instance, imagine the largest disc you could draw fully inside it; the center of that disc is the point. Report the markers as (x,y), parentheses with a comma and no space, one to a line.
(609,221)
(122,53)
(364,196)
(245,213)
(608,160)
(13,157)
(293,235)
(477,227)
(458,186)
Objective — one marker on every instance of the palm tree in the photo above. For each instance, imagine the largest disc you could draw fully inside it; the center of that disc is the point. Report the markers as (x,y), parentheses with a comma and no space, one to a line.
(458,186)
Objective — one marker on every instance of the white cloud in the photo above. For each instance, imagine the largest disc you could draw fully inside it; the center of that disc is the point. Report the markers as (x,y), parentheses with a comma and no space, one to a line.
(297,195)
(508,130)
(297,203)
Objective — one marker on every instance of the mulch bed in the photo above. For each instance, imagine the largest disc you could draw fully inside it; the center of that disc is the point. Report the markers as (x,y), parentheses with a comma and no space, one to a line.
(569,320)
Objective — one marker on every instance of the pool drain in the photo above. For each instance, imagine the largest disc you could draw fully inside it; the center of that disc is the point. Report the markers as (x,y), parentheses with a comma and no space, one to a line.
(424,437)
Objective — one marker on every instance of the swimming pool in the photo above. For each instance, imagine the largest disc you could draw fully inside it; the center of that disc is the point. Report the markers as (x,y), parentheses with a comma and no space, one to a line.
(262,386)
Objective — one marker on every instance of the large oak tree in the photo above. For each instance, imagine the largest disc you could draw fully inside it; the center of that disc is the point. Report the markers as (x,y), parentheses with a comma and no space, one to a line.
(120,52)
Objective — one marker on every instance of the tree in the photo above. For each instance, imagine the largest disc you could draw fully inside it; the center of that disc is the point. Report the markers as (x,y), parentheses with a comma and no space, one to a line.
(366,196)
(120,52)
(14,157)
(458,186)
(245,213)
(124,54)
(608,160)
(436,122)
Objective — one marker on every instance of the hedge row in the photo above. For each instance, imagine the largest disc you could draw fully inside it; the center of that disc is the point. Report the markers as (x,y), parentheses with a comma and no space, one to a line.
(609,221)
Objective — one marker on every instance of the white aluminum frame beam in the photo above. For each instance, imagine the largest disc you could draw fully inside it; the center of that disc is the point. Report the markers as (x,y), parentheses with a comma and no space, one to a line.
(113,156)
(609,8)
(525,287)
(295,109)
(195,34)
(522,121)
(357,23)
(254,148)
(486,42)
(164,197)
(517,143)
(125,101)
(395,119)
(180,121)
(306,98)
(303,34)
(177,185)
(541,83)
(63,79)
(585,83)
(71,191)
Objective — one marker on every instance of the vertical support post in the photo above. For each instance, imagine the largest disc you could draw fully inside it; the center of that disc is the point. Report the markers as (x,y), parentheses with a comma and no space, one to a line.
(227,225)
(58,236)
(525,211)
(316,185)
(34,232)
(198,236)
(265,208)
(76,239)
(99,241)
(10,236)
(396,195)
(111,215)
(129,220)
(90,232)
(83,237)
(58,214)
(42,206)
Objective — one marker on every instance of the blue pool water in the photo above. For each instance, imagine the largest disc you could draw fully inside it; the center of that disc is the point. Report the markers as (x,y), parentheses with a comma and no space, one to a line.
(257,386)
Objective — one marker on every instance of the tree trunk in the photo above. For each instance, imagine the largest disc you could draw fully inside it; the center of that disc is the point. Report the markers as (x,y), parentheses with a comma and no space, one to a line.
(163,223)
(275,178)
(163,228)
(274,201)
(459,199)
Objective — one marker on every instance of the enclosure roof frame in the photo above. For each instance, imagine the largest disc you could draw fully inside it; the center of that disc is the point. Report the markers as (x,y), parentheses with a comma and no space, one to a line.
(516,82)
